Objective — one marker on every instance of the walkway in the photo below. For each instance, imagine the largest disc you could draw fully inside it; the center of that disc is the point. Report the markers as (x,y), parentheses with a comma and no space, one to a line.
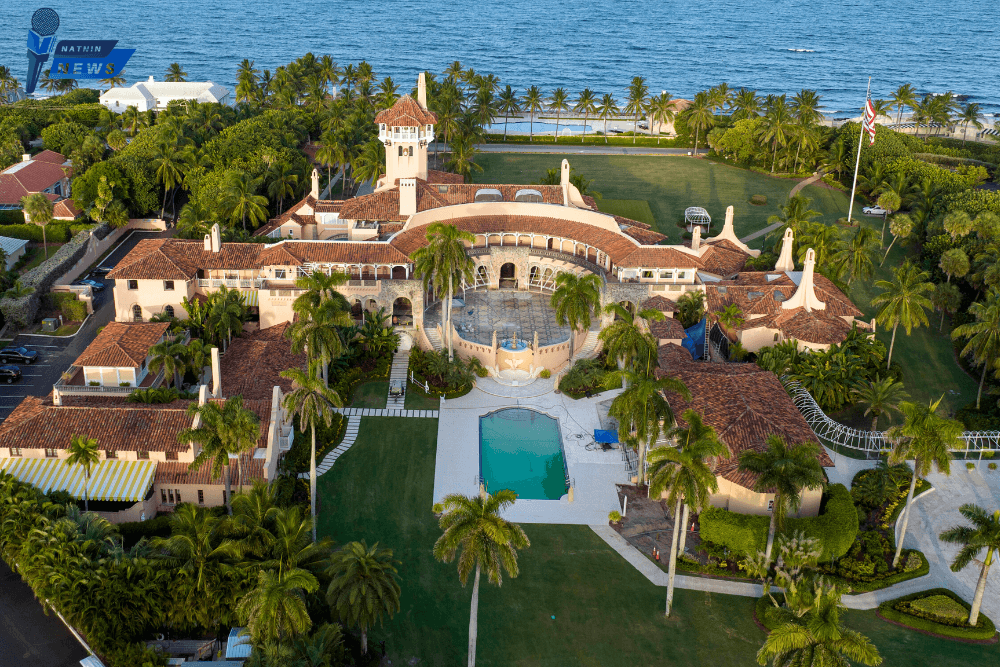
(770,228)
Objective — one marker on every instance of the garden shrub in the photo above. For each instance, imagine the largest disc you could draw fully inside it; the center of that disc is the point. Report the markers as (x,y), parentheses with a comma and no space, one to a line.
(68,304)
(746,534)
(928,612)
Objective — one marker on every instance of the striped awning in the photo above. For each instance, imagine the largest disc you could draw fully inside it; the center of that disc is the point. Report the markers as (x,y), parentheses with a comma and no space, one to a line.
(249,298)
(109,480)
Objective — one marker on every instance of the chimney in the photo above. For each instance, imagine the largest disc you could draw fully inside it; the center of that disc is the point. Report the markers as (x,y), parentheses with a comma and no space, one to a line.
(208,243)
(216,238)
(805,296)
(216,374)
(696,237)
(785,261)
(564,181)
(314,193)
(422,90)
(407,196)
(25,157)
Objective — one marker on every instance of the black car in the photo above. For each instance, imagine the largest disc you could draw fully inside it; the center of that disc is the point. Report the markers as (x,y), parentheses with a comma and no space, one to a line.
(18,355)
(10,374)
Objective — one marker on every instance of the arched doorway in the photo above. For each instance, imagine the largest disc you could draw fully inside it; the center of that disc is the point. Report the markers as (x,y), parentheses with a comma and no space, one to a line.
(508,276)
(402,312)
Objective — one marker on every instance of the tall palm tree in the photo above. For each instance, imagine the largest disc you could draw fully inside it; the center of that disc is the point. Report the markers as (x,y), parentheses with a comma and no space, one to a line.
(983,335)
(275,609)
(487,542)
(442,264)
(905,96)
(970,115)
(642,410)
(363,586)
(607,108)
(684,475)
(83,452)
(508,103)
(38,210)
(984,533)
(903,301)
(532,103)
(175,73)
(786,471)
(638,92)
(586,104)
(560,102)
(881,395)
(312,401)
(242,200)
(627,340)
(699,116)
(575,300)
(661,112)
(926,438)
(222,430)
(170,355)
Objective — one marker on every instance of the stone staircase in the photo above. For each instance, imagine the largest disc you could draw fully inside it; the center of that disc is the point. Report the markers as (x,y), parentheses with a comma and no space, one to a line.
(589,347)
(434,338)
(400,364)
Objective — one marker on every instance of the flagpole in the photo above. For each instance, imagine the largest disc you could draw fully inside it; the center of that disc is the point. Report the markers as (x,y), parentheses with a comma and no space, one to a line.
(857,161)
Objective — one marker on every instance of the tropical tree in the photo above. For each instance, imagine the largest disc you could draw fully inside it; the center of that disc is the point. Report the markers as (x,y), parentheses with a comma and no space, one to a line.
(275,609)
(627,339)
(175,73)
(784,470)
(83,452)
(560,102)
(901,227)
(312,401)
(661,112)
(881,395)
(699,116)
(926,438)
(38,210)
(442,264)
(508,103)
(983,335)
(532,103)
(903,301)
(242,200)
(586,104)
(638,93)
(575,300)
(682,473)
(607,108)
(363,586)
(984,533)
(172,356)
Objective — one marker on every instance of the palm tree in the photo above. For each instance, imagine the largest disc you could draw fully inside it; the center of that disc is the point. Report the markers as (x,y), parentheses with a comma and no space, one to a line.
(560,102)
(903,300)
(221,431)
(586,104)
(442,264)
(488,542)
(638,91)
(83,452)
(627,340)
(363,586)
(242,200)
(312,401)
(983,335)
(984,533)
(926,438)
(661,112)
(970,115)
(532,104)
(608,107)
(175,73)
(275,609)
(857,256)
(171,356)
(508,103)
(881,395)
(905,96)
(575,300)
(683,474)
(784,470)
(38,210)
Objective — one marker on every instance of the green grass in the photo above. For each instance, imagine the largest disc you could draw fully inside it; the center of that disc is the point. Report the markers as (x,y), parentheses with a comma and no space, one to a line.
(669,185)
(605,612)
(371,395)
(634,209)
(416,399)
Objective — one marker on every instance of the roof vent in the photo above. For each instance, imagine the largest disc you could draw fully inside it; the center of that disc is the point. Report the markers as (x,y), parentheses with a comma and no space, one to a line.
(529,196)
(488,194)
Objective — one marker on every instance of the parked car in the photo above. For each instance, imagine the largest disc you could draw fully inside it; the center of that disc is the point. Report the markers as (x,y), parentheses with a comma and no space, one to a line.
(10,374)
(95,285)
(874,210)
(20,355)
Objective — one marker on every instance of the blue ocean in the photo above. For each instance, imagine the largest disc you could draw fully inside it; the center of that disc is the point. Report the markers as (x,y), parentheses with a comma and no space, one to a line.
(773,46)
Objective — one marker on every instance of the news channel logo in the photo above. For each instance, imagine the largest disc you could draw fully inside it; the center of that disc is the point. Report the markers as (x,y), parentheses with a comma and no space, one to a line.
(71,58)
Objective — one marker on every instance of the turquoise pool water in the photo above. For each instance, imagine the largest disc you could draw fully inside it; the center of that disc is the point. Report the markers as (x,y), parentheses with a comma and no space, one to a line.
(519,450)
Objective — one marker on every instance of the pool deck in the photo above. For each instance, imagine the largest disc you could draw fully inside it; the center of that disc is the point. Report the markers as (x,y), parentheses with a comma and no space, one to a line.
(594,473)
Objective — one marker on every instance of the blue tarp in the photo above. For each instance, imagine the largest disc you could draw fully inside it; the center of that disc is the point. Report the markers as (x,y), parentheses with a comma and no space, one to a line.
(605,437)
(694,340)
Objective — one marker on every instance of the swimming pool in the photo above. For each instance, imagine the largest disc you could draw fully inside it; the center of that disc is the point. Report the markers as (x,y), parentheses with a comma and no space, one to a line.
(520,450)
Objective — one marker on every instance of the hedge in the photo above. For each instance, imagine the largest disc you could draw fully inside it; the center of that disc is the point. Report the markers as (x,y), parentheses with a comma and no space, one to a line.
(984,630)
(55,232)
(836,528)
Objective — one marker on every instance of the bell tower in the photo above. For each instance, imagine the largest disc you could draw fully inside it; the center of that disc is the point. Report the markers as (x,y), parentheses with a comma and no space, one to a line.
(406,129)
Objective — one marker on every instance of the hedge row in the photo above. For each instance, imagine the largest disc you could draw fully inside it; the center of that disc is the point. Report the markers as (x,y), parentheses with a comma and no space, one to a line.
(746,534)
(984,630)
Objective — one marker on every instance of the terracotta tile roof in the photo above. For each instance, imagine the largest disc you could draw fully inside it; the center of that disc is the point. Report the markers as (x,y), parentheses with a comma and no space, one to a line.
(644,236)
(122,344)
(443,177)
(65,209)
(743,403)
(24,178)
(180,259)
(252,365)
(617,246)
(406,112)
(668,328)
(128,427)
(326,252)
(660,303)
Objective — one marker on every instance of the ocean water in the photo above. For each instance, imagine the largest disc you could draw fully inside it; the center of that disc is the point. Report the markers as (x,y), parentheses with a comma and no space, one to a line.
(773,46)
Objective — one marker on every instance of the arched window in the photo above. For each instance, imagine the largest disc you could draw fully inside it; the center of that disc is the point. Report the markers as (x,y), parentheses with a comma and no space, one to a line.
(137,313)
(169,310)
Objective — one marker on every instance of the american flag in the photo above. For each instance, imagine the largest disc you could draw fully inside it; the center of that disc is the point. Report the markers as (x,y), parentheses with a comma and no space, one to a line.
(869,124)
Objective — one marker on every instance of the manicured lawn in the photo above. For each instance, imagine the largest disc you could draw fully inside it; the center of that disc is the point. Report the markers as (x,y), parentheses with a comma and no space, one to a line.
(370,395)
(605,612)
(634,209)
(416,399)
(669,185)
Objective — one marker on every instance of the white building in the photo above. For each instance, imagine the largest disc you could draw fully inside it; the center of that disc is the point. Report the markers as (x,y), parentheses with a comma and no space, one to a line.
(158,94)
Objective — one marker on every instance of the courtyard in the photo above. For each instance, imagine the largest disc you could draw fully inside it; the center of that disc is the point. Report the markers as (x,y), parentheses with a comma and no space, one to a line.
(508,313)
